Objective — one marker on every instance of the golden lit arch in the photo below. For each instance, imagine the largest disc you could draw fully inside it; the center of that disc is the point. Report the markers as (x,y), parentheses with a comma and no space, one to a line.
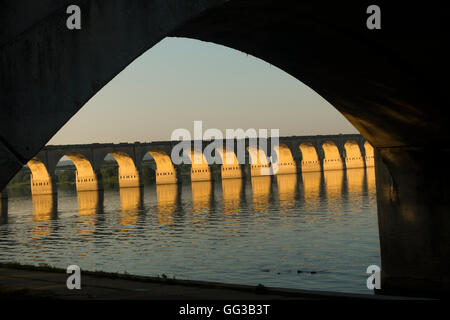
(258,160)
(200,170)
(165,171)
(230,169)
(310,159)
(285,160)
(40,181)
(86,179)
(332,159)
(370,160)
(353,158)
(128,174)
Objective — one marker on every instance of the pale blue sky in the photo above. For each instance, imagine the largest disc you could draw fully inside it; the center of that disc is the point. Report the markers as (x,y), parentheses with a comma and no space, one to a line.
(182,80)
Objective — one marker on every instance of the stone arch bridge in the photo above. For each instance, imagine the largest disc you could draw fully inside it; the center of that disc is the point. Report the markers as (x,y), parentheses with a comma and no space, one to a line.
(295,155)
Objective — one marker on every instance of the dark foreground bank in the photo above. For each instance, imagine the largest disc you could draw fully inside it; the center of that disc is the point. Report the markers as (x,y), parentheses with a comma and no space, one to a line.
(44,282)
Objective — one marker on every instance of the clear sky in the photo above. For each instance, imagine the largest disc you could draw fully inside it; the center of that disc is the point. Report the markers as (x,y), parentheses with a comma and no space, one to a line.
(182,80)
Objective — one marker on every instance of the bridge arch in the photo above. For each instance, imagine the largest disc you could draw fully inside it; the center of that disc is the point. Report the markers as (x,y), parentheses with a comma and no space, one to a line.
(85,177)
(200,170)
(259,163)
(285,160)
(353,157)
(128,174)
(310,159)
(370,158)
(230,167)
(165,172)
(40,180)
(332,158)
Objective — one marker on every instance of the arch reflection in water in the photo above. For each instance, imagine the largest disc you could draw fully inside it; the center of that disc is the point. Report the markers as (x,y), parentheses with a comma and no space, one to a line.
(261,189)
(167,197)
(90,203)
(355,180)
(201,200)
(311,189)
(287,189)
(131,204)
(232,192)
(355,188)
(333,188)
(44,210)
(371,183)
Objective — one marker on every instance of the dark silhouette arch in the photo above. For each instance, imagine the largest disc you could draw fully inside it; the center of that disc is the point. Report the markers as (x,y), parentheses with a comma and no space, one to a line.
(386,83)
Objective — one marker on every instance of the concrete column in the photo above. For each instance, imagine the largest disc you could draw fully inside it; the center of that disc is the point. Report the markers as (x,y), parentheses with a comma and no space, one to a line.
(3,204)
(179,169)
(413,199)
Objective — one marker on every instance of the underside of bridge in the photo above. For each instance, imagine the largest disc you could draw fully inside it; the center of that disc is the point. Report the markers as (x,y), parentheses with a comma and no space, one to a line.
(391,84)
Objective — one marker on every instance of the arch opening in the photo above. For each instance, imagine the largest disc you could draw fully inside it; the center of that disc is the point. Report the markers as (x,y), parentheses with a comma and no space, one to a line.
(286,163)
(40,181)
(165,172)
(128,174)
(310,159)
(353,157)
(332,158)
(85,177)
(258,161)
(229,169)
(200,170)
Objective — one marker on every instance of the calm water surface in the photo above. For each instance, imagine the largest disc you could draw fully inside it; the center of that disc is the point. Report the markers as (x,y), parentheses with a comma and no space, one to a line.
(311,231)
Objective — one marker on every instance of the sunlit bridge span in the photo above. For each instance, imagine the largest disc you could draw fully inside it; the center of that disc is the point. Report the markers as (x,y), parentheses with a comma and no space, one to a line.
(296,155)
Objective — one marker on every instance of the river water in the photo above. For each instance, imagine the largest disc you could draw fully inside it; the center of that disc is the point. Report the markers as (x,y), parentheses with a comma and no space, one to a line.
(310,231)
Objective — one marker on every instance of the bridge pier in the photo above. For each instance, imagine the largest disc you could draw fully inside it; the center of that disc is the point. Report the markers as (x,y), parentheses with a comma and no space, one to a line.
(130,179)
(43,185)
(413,199)
(3,204)
(89,182)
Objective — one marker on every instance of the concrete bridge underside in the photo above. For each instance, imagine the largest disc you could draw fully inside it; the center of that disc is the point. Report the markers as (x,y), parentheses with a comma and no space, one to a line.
(391,84)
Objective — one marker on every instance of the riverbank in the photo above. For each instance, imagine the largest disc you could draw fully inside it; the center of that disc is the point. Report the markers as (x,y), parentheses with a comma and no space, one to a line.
(45,282)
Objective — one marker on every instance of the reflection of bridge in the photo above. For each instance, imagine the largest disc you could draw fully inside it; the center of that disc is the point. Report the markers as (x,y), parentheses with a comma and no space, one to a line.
(309,188)
(295,154)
